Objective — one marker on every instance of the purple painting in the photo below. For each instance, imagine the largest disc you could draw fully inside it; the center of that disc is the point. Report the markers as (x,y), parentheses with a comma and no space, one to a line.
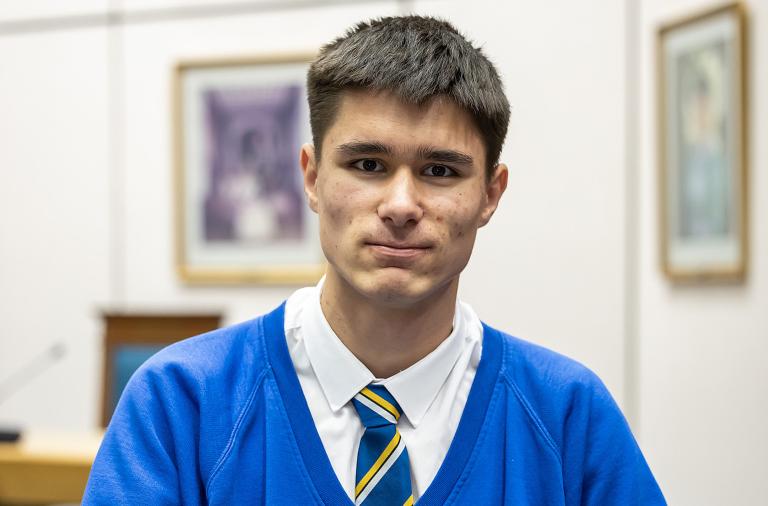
(253,188)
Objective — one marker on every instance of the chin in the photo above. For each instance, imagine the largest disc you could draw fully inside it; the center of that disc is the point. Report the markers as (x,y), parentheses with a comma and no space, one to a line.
(398,290)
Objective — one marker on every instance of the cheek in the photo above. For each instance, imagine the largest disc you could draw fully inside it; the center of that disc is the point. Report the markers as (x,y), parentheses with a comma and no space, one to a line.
(457,218)
(335,199)
(332,212)
(340,204)
(331,208)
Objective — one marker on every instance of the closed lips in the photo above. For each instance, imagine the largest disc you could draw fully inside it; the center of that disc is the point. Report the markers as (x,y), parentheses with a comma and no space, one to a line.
(398,246)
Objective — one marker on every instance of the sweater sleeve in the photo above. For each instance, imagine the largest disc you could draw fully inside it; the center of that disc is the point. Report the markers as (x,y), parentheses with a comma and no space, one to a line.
(600,447)
(139,459)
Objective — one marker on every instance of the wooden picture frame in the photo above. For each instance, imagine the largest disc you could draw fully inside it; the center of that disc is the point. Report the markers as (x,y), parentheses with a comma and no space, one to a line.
(241,215)
(702,66)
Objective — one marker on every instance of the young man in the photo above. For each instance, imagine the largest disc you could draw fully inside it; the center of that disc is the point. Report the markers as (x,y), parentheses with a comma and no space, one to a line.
(377,387)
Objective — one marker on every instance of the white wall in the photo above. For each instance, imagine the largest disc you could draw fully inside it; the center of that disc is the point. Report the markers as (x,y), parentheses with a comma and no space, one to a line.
(704,382)
(20,10)
(54,218)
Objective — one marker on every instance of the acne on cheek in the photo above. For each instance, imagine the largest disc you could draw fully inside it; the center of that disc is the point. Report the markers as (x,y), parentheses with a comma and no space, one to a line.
(457,228)
(455,232)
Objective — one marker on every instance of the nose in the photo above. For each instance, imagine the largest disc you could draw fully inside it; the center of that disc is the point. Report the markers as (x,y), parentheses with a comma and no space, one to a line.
(400,202)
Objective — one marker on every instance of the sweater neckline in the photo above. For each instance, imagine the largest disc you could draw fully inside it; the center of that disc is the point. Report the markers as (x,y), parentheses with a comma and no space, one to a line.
(311,447)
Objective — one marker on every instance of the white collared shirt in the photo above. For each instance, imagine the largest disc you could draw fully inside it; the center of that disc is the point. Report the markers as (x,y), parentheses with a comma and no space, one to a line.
(432,392)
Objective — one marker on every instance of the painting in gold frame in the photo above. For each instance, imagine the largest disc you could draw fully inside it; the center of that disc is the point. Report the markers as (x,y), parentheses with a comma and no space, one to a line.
(240,206)
(702,126)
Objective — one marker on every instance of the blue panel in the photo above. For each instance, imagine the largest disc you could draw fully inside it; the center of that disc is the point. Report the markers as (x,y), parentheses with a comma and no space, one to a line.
(127,359)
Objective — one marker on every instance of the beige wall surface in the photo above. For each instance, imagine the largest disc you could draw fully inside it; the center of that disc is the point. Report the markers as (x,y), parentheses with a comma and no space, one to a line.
(54,218)
(15,11)
(703,381)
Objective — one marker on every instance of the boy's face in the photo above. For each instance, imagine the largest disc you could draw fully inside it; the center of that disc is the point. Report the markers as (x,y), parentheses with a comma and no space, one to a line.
(400,192)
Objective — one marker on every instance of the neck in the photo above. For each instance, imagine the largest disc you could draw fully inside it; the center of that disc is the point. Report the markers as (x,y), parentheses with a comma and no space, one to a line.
(387,339)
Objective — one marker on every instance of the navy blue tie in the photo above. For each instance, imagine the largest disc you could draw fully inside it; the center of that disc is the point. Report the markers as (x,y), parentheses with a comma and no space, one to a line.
(383,476)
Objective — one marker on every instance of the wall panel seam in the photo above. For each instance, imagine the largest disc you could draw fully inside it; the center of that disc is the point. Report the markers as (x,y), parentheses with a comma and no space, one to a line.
(120,17)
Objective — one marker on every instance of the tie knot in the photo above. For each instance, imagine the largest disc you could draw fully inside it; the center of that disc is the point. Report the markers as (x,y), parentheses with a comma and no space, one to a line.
(376,406)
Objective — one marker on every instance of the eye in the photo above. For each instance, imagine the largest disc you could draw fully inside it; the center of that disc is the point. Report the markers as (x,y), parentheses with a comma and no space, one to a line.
(439,171)
(368,165)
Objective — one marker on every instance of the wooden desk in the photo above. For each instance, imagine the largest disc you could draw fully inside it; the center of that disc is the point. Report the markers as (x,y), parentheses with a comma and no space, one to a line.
(46,467)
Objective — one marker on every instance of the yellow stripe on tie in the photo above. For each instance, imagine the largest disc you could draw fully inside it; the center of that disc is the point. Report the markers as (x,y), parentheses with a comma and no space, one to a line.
(377,465)
(408,502)
(381,402)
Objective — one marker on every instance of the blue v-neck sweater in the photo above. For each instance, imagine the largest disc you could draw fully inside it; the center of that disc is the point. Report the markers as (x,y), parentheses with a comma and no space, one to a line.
(221,419)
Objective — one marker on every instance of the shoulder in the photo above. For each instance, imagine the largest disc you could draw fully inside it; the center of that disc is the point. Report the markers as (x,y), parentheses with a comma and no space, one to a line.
(180,409)
(537,370)
(218,370)
(562,397)
(571,409)
(213,354)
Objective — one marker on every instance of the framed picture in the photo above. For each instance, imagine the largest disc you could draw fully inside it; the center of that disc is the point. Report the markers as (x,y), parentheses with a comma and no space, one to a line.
(702,125)
(241,211)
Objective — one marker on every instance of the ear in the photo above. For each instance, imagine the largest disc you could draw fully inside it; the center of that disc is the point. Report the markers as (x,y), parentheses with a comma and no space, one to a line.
(309,169)
(494,189)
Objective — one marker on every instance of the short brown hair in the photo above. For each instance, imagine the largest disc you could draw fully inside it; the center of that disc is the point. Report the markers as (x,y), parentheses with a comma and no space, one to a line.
(417,58)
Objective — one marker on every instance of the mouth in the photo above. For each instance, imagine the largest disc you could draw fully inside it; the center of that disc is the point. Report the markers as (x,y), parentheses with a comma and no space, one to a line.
(404,250)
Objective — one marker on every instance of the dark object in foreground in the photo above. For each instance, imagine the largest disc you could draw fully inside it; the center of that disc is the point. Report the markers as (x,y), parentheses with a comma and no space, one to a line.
(9,435)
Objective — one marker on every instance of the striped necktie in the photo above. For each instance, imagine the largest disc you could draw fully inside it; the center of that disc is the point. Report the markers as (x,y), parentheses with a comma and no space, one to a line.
(383,476)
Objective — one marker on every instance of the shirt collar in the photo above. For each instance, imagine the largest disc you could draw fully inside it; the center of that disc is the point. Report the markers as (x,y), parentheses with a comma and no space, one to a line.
(341,375)
(415,388)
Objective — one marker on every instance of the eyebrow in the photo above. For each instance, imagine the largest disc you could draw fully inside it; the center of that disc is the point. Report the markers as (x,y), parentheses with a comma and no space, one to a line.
(364,148)
(444,155)
(359,148)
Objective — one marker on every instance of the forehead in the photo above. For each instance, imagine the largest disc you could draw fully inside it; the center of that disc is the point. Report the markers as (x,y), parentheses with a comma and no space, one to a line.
(380,116)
